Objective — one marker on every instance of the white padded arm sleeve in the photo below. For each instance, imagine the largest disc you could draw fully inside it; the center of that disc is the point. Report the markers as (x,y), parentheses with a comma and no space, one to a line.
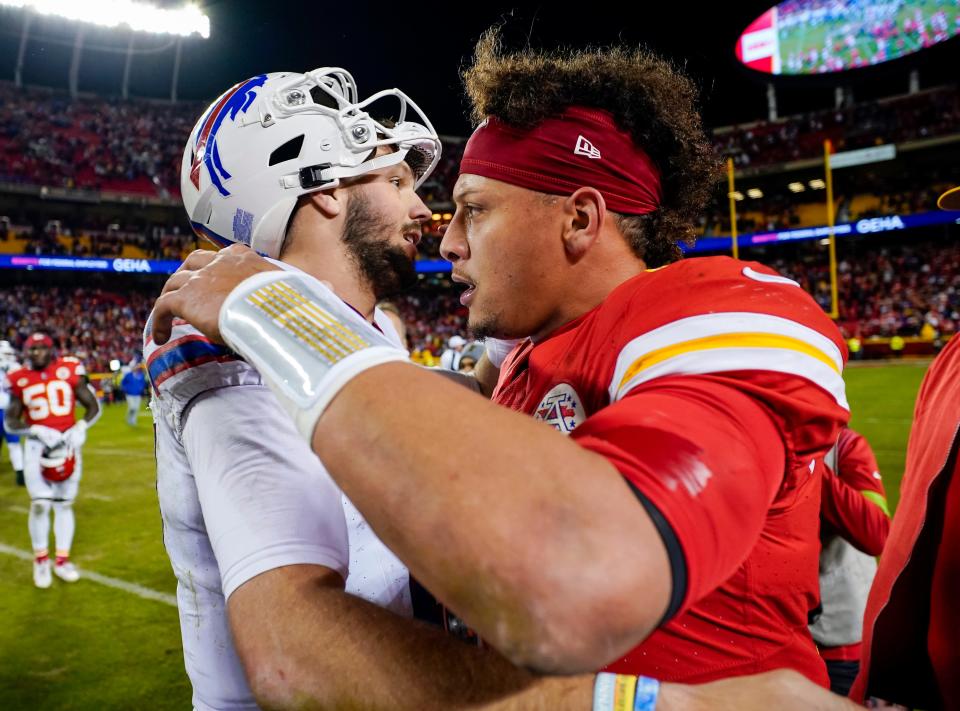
(305,341)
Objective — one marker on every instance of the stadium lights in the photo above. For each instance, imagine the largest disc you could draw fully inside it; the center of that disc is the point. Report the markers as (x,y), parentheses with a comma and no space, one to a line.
(817,184)
(436,216)
(755,193)
(139,17)
(736,195)
(447,216)
(796,187)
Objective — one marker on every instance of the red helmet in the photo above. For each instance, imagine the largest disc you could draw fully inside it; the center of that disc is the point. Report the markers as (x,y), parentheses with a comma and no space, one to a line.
(38,339)
(57,463)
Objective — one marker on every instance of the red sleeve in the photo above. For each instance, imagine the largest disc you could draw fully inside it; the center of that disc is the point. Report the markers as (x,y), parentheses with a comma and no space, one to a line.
(15,389)
(853,501)
(705,460)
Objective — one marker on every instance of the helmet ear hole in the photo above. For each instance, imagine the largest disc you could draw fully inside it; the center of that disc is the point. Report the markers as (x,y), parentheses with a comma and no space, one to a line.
(322,98)
(288,151)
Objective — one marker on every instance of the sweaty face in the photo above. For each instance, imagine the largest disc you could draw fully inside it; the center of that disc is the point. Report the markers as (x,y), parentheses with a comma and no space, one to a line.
(39,356)
(502,243)
(383,227)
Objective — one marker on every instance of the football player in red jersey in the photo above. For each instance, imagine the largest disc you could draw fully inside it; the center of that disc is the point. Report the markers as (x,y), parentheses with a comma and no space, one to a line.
(911,630)
(854,525)
(44,394)
(674,533)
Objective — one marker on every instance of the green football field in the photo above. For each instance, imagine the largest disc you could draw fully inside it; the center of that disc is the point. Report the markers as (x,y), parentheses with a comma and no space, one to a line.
(113,642)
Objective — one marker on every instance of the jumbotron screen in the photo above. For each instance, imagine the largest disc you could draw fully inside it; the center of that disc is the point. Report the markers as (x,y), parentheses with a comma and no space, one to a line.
(820,36)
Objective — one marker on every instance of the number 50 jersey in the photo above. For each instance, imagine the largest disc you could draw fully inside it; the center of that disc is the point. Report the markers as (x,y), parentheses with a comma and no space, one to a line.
(48,395)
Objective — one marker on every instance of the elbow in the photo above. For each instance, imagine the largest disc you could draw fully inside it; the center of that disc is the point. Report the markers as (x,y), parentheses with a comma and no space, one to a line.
(574,631)
(278,684)
(268,686)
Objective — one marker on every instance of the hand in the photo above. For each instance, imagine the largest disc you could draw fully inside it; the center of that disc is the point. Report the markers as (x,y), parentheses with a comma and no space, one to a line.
(781,689)
(76,435)
(197,290)
(48,436)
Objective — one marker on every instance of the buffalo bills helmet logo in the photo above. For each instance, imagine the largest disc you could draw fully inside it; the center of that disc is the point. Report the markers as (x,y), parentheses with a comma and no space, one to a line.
(205,152)
(242,226)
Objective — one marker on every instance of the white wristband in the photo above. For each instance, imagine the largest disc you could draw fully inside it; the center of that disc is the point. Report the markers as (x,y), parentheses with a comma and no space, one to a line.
(303,339)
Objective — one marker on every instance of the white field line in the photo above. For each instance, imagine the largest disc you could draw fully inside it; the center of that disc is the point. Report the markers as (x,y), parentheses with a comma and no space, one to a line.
(97,497)
(115,583)
(19,509)
(119,451)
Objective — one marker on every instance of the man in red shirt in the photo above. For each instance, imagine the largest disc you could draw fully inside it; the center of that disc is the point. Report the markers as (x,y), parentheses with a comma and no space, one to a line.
(674,532)
(44,394)
(853,528)
(911,632)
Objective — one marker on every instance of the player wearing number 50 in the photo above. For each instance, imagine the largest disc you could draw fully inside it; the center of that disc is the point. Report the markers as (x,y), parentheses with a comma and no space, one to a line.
(44,394)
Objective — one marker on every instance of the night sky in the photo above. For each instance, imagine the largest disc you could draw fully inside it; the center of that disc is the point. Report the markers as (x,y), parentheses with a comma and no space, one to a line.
(420,48)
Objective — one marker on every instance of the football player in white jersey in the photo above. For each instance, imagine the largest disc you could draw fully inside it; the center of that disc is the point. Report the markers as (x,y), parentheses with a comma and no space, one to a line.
(261,540)
(8,363)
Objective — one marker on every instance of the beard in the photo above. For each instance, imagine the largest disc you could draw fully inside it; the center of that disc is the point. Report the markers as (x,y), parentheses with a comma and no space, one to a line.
(489,325)
(385,267)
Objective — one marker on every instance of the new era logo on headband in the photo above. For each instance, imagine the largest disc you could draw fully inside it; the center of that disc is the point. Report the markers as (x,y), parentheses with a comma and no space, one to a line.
(585,148)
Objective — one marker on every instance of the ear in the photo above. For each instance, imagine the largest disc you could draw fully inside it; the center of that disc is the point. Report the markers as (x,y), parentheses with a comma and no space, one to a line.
(584,214)
(329,203)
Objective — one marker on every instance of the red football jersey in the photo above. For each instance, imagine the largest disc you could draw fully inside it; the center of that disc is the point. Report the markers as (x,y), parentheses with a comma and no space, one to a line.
(48,395)
(712,385)
(911,644)
(854,502)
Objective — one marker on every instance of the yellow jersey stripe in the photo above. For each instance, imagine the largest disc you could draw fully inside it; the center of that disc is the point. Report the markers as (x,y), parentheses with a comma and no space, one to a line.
(727,340)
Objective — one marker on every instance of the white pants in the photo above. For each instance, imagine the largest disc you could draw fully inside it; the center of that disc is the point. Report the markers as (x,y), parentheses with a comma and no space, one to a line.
(133,408)
(40,488)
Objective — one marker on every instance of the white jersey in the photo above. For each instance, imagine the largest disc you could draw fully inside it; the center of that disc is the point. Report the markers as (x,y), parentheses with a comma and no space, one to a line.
(6,366)
(242,493)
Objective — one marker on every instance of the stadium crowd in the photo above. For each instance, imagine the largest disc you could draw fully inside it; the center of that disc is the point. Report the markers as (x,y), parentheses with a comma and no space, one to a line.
(95,325)
(906,289)
(907,118)
(47,138)
(135,146)
(889,289)
(155,244)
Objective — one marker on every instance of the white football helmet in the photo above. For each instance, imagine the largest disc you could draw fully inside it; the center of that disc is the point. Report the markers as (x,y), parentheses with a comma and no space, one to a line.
(8,354)
(275,137)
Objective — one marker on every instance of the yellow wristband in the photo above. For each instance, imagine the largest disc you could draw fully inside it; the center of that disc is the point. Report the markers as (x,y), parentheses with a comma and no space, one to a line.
(624,690)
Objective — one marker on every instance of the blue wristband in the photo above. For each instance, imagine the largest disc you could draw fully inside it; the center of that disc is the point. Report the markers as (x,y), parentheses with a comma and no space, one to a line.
(646,697)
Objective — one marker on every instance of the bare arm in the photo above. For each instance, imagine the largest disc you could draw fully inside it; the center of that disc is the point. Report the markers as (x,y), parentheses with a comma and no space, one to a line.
(87,398)
(305,643)
(782,689)
(547,552)
(13,417)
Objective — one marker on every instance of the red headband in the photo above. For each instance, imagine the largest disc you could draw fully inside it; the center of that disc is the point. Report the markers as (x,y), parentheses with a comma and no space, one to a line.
(582,147)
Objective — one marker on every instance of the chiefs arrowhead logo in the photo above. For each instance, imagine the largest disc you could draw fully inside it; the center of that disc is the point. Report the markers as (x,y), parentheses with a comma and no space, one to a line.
(561,409)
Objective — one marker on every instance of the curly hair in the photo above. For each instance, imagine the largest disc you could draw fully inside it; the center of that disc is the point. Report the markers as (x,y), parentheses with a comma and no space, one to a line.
(648,97)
